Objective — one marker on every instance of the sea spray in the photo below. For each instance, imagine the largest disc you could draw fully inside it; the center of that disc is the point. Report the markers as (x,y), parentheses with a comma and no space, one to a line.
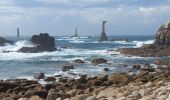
(141,43)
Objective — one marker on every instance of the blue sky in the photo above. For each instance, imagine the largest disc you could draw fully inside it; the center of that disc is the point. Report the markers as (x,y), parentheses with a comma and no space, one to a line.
(60,17)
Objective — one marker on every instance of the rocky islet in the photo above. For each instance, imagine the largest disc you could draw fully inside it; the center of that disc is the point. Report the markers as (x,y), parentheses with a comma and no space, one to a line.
(42,42)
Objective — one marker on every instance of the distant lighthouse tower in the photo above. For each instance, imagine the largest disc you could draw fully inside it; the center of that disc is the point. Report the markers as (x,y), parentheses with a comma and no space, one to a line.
(103,36)
(18,33)
(76,33)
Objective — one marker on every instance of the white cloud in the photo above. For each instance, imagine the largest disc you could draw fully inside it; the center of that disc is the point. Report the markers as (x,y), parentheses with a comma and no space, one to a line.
(74,2)
(46,18)
(6,2)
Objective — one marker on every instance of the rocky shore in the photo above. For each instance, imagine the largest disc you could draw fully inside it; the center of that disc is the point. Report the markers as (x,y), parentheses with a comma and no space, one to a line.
(151,82)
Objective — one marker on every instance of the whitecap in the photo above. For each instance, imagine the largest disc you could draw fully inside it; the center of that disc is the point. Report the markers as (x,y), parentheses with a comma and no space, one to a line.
(77,41)
(84,37)
(141,43)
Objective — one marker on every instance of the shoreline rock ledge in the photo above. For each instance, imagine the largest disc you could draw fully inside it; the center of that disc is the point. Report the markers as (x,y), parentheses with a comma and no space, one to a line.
(159,48)
(42,42)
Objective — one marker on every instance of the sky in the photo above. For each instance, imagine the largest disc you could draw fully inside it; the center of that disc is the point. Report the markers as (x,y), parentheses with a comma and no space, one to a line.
(60,17)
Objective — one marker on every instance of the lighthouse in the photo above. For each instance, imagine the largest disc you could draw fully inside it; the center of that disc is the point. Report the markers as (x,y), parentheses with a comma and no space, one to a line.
(103,36)
(18,33)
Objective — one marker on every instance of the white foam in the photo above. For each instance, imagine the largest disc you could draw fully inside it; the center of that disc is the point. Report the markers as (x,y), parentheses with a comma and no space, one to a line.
(65,37)
(23,56)
(18,45)
(84,37)
(63,54)
(67,59)
(141,43)
(77,41)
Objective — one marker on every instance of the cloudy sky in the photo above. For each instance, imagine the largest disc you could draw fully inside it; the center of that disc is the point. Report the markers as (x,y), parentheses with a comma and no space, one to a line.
(60,17)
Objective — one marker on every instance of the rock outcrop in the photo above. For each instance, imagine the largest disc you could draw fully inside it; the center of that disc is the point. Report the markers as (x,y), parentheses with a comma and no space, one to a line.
(163,35)
(4,41)
(159,48)
(42,42)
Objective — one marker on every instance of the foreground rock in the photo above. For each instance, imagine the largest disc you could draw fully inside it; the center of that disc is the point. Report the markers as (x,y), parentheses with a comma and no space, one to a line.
(42,42)
(4,41)
(159,48)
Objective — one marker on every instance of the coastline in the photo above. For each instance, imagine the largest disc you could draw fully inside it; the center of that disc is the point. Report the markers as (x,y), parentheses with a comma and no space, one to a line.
(151,82)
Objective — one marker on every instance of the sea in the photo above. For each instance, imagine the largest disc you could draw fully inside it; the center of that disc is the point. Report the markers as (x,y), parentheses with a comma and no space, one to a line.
(25,65)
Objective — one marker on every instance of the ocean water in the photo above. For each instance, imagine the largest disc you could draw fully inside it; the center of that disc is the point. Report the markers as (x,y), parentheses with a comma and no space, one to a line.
(26,65)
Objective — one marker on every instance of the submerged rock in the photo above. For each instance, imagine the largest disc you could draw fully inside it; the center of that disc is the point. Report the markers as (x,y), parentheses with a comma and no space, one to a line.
(79,61)
(106,69)
(67,68)
(42,42)
(3,41)
(99,61)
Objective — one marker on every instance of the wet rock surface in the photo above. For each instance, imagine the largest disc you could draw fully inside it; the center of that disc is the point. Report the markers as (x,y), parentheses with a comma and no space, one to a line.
(39,76)
(67,67)
(42,42)
(98,61)
(79,61)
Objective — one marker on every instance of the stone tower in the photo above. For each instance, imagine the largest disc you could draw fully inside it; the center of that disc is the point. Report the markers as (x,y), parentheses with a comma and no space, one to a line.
(18,33)
(76,33)
(103,36)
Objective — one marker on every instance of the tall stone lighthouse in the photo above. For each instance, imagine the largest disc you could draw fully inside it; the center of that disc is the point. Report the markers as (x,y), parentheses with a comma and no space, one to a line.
(103,36)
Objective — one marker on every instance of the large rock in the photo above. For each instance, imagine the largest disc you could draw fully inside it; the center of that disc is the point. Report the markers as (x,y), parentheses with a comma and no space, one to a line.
(119,78)
(4,41)
(163,35)
(4,86)
(42,42)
